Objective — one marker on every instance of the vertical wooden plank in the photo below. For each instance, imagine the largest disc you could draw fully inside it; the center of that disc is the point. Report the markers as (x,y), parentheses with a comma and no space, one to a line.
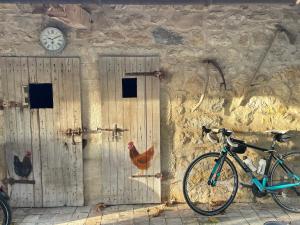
(149,126)
(113,121)
(13,147)
(127,120)
(64,141)
(156,127)
(3,173)
(141,121)
(46,138)
(8,129)
(78,160)
(16,76)
(58,135)
(119,71)
(43,138)
(22,189)
(106,136)
(68,92)
(35,140)
(136,195)
(3,168)
(26,121)
(124,188)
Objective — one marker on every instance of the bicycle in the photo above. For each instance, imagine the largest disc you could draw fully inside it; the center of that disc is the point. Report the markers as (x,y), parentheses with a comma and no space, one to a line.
(5,211)
(211,181)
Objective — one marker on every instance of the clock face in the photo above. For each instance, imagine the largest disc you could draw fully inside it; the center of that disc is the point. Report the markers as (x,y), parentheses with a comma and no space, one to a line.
(52,39)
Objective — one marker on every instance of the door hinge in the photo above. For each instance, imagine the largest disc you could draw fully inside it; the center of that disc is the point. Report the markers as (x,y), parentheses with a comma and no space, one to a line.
(11,104)
(158,74)
(157,175)
(13,181)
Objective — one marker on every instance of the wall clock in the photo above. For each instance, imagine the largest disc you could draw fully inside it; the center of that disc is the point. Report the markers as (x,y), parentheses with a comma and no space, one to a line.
(53,39)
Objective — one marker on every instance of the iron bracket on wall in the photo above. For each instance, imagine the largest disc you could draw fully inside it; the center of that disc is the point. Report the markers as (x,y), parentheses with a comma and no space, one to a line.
(158,74)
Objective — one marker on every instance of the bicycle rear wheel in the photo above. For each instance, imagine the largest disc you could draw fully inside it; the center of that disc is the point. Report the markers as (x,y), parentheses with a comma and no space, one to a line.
(204,198)
(289,198)
(5,212)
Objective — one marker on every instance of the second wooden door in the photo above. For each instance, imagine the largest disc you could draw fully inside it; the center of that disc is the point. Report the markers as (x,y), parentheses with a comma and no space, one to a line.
(130,151)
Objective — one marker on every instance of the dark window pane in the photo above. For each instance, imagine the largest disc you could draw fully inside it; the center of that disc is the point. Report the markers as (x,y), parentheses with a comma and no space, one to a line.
(129,87)
(40,96)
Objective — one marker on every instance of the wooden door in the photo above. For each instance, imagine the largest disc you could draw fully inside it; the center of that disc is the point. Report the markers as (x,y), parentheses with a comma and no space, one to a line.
(124,178)
(56,157)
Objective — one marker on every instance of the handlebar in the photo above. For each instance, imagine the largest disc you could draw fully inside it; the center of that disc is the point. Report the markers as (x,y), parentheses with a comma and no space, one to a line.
(225,133)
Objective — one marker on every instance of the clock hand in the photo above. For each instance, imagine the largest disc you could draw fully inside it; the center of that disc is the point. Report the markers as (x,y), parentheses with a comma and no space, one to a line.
(56,37)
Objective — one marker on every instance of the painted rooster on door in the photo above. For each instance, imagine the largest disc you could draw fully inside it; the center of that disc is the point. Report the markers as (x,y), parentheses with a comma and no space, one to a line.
(23,168)
(140,160)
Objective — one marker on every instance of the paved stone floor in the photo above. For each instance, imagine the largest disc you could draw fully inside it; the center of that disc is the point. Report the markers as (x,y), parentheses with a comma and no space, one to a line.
(180,214)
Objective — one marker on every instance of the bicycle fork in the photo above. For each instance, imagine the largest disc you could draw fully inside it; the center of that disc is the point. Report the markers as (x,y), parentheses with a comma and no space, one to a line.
(216,171)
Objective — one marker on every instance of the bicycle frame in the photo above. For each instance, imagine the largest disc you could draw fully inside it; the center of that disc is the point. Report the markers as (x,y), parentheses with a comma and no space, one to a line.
(262,186)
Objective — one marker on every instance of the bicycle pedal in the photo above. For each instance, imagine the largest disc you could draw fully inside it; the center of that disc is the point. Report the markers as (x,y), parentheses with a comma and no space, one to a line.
(246,185)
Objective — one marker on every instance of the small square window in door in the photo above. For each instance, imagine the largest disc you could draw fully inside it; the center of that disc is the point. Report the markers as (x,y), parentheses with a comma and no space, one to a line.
(40,96)
(129,87)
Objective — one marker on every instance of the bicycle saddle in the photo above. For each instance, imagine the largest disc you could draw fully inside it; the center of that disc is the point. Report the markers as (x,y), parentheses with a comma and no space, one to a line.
(279,135)
(277,131)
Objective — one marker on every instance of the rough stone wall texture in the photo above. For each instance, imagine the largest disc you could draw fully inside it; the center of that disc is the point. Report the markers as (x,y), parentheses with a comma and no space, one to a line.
(236,35)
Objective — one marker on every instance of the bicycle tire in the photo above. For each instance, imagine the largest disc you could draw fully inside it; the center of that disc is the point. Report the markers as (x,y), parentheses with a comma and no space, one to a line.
(227,203)
(6,211)
(276,196)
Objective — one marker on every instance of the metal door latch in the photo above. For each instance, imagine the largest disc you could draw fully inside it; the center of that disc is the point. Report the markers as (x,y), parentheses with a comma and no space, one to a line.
(116,131)
(74,132)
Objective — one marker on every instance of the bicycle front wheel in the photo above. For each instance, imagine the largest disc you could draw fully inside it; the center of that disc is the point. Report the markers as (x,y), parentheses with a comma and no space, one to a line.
(5,212)
(203,197)
(288,198)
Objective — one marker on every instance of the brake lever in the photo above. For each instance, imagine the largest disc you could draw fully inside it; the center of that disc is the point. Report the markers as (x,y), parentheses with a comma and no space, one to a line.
(205,131)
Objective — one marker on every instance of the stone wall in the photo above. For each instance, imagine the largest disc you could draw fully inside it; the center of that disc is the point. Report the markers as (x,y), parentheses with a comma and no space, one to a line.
(236,35)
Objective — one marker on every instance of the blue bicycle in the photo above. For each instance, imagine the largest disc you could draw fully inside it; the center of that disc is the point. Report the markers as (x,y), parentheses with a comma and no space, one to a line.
(211,181)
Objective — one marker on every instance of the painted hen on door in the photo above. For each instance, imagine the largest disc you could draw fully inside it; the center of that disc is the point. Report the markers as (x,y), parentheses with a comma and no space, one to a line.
(141,161)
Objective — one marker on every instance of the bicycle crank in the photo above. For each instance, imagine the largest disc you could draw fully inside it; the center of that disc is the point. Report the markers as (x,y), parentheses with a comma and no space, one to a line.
(257,193)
